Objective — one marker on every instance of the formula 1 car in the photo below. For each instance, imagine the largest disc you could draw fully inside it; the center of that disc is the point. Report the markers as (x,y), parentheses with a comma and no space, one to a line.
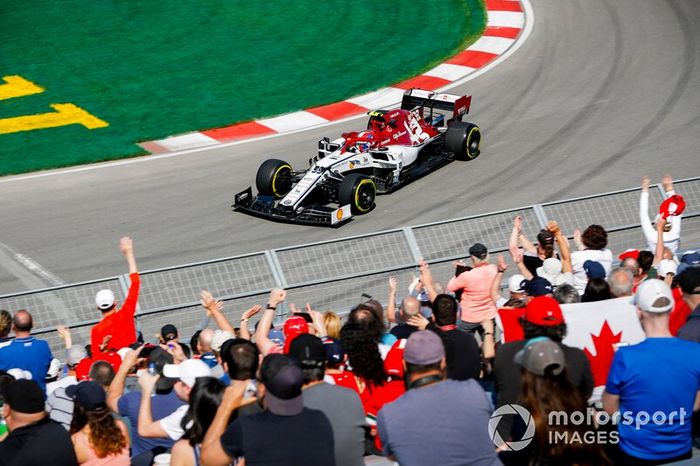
(396,147)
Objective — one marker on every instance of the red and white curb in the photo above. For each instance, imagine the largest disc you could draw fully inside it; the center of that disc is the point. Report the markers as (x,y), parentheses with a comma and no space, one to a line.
(505,29)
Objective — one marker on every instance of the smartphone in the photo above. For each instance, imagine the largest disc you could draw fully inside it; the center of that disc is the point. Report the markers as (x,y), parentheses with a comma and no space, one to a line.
(366,296)
(305,315)
(152,369)
(146,351)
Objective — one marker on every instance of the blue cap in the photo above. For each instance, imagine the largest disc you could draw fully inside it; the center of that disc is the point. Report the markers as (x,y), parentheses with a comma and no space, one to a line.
(593,270)
(538,286)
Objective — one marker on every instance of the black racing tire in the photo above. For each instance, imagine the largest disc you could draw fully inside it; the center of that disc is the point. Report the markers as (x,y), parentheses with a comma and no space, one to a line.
(463,139)
(359,191)
(274,178)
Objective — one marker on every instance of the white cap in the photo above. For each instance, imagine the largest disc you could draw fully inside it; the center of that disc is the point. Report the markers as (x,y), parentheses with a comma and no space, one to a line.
(220,336)
(514,283)
(666,266)
(19,374)
(122,352)
(188,371)
(649,296)
(104,299)
(551,271)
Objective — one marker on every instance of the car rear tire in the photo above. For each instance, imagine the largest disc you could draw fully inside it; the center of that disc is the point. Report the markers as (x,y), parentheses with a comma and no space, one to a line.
(359,191)
(274,178)
(463,139)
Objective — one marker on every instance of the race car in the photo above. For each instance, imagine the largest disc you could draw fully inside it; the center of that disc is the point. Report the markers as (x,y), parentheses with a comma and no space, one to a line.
(342,180)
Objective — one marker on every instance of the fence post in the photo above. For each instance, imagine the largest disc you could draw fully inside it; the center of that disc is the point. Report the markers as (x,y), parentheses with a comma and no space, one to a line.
(412,244)
(280,280)
(661,190)
(541,215)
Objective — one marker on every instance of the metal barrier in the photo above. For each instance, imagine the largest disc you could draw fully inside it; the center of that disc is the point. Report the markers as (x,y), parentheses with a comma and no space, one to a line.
(334,274)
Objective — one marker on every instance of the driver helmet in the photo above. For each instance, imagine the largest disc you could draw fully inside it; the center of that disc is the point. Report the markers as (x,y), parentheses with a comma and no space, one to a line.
(364,146)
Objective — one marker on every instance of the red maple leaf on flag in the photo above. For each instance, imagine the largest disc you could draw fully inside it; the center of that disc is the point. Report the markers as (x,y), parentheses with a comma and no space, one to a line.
(605,350)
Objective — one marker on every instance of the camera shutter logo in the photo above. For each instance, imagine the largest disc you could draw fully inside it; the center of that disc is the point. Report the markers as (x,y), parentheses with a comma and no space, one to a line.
(512,409)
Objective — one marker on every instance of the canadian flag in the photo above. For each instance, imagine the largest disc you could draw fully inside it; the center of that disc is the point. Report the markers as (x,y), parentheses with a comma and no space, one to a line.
(597,328)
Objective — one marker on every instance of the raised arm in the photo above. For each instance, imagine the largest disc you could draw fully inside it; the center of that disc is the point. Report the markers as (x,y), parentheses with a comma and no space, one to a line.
(126,245)
(244,331)
(426,277)
(644,220)
(277,297)
(215,310)
(147,427)
(659,253)
(563,244)
(391,301)
(116,388)
(498,279)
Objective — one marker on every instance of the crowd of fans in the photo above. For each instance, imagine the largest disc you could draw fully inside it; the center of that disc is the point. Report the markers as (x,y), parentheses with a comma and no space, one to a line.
(416,380)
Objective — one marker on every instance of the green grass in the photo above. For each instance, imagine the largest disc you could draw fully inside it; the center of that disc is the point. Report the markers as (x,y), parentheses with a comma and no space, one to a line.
(158,68)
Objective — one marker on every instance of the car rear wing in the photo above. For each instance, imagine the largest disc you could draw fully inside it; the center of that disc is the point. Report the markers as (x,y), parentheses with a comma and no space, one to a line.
(458,105)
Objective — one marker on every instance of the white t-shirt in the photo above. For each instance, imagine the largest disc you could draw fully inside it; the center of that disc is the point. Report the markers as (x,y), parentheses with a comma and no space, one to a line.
(172,423)
(603,256)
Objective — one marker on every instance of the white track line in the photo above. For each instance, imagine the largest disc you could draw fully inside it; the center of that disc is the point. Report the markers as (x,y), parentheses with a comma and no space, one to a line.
(529,16)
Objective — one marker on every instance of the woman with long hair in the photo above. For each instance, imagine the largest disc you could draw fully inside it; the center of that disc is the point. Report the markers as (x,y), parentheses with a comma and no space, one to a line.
(205,398)
(98,438)
(546,389)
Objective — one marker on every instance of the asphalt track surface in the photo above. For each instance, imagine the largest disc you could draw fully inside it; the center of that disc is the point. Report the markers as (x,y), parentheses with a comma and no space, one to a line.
(602,92)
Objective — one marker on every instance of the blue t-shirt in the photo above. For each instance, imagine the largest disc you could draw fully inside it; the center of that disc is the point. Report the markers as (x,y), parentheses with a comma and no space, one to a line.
(658,376)
(29,354)
(161,406)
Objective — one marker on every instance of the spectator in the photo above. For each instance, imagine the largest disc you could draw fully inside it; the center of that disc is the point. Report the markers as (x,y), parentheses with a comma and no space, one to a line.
(543,317)
(74,354)
(116,329)
(597,289)
(205,398)
(672,231)
(341,406)
(454,410)
(410,306)
(689,281)
(546,389)
(163,403)
(534,257)
(169,333)
(204,344)
(333,324)
(34,439)
(5,327)
(566,294)
(26,352)
(621,282)
(98,439)
(186,374)
(476,302)
(286,433)
(538,286)
(240,360)
(515,291)
(670,388)
(462,354)
(592,246)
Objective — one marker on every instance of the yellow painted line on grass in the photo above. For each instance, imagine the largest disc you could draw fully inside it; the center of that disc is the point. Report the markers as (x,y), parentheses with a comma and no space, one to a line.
(17,86)
(65,114)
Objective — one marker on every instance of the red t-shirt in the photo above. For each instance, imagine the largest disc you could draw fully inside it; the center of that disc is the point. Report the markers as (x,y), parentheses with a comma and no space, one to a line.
(679,313)
(120,325)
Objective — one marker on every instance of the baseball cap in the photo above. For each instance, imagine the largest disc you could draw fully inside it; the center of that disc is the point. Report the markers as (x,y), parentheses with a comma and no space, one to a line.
(104,299)
(478,250)
(334,351)
(689,281)
(514,283)
(541,356)
(168,332)
(538,286)
(689,259)
(308,351)
(423,347)
(545,236)
(673,205)
(629,254)
(295,325)
(220,336)
(24,396)
(283,381)
(75,354)
(666,266)
(187,371)
(276,336)
(653,295)
(90,395)
(593,270)
(544,311)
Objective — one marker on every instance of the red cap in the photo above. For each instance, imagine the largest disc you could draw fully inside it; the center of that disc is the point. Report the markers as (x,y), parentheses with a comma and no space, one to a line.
(393,363)
(293,327)
(544,311)
(83,369)
(674,205)
(630,253)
